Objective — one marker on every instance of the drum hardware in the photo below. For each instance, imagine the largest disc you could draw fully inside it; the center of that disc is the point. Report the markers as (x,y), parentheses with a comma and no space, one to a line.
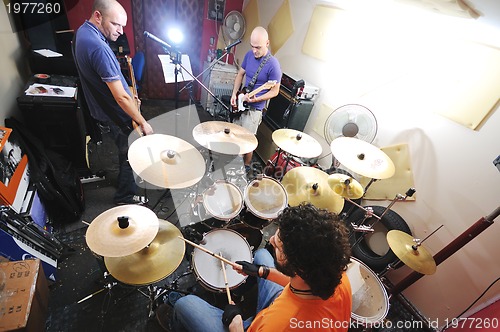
(107,286)
(369,214)
(410,251)
(309,184)
(362,158)
(225,137)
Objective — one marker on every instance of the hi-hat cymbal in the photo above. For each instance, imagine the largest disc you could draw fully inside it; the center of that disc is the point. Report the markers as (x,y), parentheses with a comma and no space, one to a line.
(153,263)
(309,184)
(409,252)
(297,143)
(166,161)
(225,137)
(362,158)
(122,230)
(345,186)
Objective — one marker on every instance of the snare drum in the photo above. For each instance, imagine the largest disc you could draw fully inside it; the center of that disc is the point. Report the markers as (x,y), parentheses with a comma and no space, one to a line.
(265,198)
(230,245)
(222,202)
(370,303)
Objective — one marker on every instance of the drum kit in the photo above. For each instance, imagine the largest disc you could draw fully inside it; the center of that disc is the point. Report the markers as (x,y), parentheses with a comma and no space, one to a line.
(139,249)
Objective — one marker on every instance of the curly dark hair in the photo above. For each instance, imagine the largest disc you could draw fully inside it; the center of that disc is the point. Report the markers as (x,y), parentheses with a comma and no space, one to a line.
(316,246)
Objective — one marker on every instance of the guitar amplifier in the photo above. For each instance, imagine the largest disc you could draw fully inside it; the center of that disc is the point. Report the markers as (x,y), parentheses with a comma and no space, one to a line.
(58,122)
(277,117)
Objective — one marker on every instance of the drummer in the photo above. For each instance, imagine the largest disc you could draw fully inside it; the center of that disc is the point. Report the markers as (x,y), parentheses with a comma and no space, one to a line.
(304,286)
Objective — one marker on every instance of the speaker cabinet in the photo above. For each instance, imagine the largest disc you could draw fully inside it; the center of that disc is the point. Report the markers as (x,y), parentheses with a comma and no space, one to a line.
(297,116)
(58,122)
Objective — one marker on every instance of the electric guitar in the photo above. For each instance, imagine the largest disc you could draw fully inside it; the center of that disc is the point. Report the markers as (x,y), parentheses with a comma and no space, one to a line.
(242,105)
(133,88)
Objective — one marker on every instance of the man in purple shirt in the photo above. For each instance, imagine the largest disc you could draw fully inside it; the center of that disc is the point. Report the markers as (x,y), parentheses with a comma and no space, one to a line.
(106,90)
(269,72)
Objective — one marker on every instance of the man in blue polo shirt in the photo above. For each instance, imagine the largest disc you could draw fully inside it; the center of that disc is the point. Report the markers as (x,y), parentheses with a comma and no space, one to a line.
(258,60)
(106,90)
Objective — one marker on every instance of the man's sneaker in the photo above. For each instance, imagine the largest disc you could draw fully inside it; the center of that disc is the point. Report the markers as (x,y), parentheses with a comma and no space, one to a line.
(139,200)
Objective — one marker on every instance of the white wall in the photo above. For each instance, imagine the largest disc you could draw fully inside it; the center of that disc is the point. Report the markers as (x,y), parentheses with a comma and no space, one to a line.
(13,67)
(455,178)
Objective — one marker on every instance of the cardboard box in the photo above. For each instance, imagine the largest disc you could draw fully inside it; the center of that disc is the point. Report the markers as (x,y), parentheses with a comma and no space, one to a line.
(24,296)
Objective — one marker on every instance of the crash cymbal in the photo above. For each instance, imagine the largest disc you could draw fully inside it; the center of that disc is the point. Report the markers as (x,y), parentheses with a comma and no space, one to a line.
(309,184)
(362,158)
(345,186)
(154,262)
(166,161)
(411,252)
(225,137)
(297,143)
(122,230)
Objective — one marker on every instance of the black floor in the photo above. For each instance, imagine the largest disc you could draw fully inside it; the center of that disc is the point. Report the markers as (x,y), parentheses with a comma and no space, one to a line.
(84,298)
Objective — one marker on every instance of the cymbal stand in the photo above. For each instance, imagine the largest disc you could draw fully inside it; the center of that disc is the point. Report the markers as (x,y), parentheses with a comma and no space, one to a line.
(360,227)
(108,285)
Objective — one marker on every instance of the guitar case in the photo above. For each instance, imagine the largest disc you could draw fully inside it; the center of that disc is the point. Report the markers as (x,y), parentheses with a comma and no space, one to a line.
(55,178)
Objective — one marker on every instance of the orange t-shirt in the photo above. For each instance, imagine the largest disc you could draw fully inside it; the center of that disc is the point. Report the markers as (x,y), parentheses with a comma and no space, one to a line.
(289,312)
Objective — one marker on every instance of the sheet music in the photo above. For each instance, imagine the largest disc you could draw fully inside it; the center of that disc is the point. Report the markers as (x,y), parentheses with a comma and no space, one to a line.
(48,53)
(169,68)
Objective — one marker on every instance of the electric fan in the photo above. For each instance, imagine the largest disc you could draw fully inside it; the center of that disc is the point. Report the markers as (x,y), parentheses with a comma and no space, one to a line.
(233,27)
(351,120)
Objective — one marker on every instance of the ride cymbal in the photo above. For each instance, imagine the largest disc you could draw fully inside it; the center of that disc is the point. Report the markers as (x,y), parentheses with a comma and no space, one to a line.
(297,143)
(309,184)
(122,230)
(410,252)
(154,262)
(166,161)
(225,137)
(345,186)
(362,158)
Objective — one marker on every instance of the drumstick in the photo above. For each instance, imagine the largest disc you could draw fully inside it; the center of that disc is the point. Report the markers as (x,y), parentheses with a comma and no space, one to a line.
(210,253)
(225,281)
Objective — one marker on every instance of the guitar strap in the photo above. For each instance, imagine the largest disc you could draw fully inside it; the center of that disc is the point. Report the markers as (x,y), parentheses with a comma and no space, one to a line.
(126,128)
(254,78)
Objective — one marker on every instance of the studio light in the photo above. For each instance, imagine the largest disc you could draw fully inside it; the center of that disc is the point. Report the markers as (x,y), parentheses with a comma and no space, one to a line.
(176,36)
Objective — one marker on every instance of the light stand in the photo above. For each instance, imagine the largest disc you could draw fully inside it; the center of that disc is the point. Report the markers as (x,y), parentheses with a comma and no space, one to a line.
(210,66)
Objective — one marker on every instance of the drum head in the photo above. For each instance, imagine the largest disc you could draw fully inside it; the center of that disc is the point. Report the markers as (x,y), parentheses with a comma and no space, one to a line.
(223,200)
(370,303)
(230,245)
(265,198)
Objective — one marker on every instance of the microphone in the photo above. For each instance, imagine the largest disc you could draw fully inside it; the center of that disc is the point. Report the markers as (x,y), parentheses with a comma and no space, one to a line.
(232,45)
(156,39)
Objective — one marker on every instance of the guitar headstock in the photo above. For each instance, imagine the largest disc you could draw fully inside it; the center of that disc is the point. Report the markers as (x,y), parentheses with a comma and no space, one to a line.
(270,84)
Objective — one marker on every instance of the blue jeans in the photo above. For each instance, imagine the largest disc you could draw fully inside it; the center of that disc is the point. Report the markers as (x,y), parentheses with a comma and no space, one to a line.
(126,187)
(192,313)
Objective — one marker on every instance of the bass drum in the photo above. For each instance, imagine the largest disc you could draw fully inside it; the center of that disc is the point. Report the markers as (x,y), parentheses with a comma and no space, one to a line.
(372,248)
